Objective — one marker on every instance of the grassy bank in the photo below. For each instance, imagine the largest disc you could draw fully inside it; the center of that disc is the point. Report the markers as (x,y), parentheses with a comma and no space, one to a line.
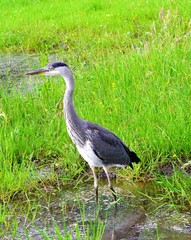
(89,25)
(152,109)
(131,63)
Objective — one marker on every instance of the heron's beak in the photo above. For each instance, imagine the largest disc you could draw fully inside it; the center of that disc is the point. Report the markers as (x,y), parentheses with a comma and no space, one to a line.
(42,71)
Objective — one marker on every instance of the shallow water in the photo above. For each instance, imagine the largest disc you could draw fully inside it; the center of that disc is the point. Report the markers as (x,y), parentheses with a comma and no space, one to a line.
(131,220)
(13,68)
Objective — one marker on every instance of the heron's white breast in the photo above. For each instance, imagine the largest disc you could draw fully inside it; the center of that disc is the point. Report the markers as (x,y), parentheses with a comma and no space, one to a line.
(89,156)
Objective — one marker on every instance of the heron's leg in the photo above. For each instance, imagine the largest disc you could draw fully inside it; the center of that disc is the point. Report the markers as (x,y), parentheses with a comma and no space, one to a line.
(109,182)
(95,182)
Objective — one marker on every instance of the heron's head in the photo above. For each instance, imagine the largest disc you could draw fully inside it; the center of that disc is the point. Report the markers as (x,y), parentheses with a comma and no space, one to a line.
(52,69)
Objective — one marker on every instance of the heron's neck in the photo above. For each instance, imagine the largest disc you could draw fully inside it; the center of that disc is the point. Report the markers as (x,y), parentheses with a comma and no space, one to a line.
(69,110)
(74,123)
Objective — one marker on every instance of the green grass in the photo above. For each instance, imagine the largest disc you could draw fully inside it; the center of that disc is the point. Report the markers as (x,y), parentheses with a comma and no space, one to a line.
(176,189)
(131,63)
(152,111)
(89,25)
(32,132)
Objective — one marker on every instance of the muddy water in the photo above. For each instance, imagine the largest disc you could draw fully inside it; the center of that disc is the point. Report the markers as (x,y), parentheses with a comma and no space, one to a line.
(135,217)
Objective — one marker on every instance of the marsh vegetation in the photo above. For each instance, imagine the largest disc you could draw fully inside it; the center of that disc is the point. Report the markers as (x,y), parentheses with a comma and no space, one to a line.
(131,62)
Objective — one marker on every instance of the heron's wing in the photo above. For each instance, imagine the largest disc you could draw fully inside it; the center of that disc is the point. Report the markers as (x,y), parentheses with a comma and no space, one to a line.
(107,146)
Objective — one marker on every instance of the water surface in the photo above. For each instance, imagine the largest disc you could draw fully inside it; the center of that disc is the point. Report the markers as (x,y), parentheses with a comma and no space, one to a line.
(135,217)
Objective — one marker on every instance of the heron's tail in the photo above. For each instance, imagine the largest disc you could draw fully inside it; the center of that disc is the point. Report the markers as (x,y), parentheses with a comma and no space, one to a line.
(133,156)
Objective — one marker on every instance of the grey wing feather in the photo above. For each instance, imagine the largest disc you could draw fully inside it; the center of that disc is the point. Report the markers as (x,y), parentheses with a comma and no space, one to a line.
(107,146)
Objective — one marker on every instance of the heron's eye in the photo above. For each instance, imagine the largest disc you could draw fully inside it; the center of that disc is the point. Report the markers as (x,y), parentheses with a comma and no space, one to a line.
(51,68)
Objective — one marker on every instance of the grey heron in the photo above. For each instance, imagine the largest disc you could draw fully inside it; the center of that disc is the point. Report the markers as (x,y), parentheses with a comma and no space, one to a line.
(97,145)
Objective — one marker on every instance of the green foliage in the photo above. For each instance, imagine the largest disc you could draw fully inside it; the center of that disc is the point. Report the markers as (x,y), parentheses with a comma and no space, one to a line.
(79,25)
(176,189)
(32,130)
(135,71)
(131,62)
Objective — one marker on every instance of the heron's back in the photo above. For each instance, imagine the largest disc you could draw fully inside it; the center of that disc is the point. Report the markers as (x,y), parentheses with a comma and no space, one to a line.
(108,147)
